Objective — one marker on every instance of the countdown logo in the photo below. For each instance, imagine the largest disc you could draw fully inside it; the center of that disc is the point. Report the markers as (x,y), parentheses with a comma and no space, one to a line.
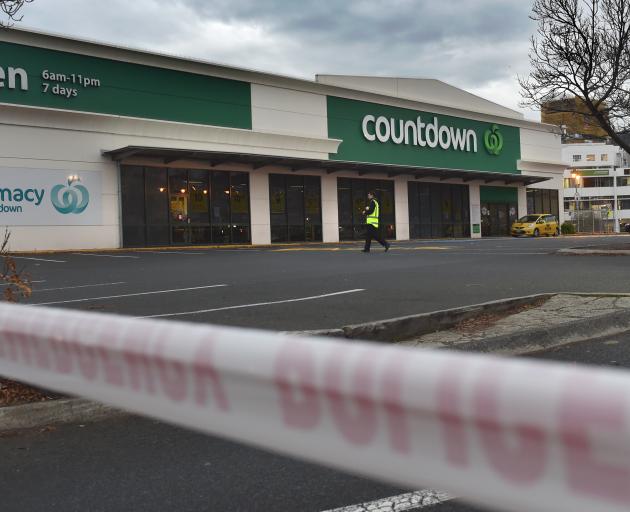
(70,198)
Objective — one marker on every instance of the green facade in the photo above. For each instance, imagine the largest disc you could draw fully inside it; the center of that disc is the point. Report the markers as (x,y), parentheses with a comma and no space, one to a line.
(70,81)
(345,119)
(498,194)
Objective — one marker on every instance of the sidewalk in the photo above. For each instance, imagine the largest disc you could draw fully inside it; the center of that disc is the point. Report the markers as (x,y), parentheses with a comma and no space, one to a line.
(559,310)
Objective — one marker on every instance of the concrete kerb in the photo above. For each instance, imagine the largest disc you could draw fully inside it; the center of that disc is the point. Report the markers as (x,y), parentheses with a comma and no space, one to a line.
(528,340)
(405,327)
(593,252)
(54,412)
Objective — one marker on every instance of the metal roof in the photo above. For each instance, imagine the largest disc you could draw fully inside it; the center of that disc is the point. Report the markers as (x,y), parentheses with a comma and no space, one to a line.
(216,158)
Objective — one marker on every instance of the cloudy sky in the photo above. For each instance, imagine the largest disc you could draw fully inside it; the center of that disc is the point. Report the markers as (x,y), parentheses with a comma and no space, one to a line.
(478,45)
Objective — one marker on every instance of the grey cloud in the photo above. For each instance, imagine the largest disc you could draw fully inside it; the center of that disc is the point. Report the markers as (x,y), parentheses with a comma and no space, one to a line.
(469,43)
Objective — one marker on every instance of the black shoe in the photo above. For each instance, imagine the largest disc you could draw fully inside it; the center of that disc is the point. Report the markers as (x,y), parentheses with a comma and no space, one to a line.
(387,247)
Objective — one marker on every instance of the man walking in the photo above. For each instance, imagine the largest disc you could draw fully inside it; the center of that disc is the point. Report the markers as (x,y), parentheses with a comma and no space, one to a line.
(371,212)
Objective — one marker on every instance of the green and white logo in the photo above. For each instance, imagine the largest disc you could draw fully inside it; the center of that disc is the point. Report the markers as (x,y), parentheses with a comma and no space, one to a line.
(493,140)
(73,198)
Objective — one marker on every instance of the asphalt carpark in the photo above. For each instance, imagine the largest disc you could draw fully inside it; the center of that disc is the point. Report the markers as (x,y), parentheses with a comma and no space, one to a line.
(298,287)
(412,277)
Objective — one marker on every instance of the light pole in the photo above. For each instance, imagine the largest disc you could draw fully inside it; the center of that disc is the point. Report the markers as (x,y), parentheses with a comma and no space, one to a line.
(576,179)
(615,203)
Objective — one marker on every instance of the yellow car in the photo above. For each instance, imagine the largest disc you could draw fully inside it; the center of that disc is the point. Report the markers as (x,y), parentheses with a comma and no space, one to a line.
(536,224)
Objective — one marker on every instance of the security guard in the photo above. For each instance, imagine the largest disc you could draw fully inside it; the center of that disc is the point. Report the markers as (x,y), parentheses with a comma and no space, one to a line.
(371,212)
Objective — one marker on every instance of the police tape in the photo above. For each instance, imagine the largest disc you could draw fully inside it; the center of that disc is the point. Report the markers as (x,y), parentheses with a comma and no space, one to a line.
(512,434)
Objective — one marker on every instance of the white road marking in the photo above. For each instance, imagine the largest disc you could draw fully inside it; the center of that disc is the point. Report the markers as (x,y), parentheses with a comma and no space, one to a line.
(74,287)
(495,253)
(7,284)
(130,295)
(241,306)
(36,259)
(410,500)
(238,250)
(172,252)
(104,255)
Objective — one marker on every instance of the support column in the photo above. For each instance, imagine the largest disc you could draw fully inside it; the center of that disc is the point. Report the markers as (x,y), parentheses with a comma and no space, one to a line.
(474,197)
(260,213)
(401,202)
(522,201)
(330,209)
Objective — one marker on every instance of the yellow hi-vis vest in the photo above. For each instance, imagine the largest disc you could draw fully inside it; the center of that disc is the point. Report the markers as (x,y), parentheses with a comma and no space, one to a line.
(372,218)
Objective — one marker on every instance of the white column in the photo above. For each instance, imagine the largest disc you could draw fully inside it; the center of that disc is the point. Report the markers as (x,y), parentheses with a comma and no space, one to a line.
(330,209)
(401,202)
(522,201)
(474,198)
(260,214)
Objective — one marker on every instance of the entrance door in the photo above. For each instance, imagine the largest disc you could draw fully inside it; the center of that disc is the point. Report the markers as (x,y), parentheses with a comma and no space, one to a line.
(189,206)
(496,218)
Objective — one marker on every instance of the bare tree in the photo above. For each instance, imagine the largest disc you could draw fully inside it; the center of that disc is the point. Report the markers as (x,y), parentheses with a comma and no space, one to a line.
(582,51)
(16,282)
(12,8)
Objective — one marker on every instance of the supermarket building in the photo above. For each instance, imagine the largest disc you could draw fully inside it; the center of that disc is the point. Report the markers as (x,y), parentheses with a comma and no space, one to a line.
(107,147)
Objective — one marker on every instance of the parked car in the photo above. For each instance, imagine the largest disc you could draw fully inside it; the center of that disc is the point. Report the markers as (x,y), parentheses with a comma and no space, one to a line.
(535,225)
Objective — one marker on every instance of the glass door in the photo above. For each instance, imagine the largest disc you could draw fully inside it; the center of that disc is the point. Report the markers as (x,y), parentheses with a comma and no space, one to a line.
(199,207)
(496,218)
(189,206)
(178,205)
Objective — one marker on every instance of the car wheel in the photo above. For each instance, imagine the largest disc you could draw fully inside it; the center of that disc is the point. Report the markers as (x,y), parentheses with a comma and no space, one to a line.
(536,233)
(556,232)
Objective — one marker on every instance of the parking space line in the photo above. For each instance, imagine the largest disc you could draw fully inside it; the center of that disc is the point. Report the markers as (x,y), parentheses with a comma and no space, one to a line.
(36,259)
(78,286)
(105,255)
(130,295)
(241,306)
(407,501)
(7,284)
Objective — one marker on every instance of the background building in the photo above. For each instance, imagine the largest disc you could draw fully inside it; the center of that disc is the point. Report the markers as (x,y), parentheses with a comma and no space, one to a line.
(576,124)
(105,147)
(597,186)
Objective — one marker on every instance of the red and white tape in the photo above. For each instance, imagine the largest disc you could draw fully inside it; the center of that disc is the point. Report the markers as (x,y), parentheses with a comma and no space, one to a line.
(512,434)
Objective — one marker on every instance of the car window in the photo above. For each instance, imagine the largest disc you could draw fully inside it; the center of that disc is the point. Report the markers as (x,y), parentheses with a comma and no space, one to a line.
(550,218)
(529,218)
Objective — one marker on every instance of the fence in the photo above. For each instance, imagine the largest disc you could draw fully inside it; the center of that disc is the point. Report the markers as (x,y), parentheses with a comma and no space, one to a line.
(591,221)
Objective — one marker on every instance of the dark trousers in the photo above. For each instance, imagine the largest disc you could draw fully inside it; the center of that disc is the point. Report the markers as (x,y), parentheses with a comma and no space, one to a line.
(371,233)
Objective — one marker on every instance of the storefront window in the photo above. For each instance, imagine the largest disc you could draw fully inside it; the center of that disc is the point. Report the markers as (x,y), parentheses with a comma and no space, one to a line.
(597,181)
(181,206)
(157,207)
(295,206)
(542,201)
(438,210)
(352,199)
(623,202)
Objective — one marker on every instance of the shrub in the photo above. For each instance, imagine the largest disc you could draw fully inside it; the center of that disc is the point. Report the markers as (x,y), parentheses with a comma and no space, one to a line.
(567,228)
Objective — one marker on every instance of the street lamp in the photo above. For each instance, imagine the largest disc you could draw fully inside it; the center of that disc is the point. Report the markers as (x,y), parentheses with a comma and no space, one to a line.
(576,179)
